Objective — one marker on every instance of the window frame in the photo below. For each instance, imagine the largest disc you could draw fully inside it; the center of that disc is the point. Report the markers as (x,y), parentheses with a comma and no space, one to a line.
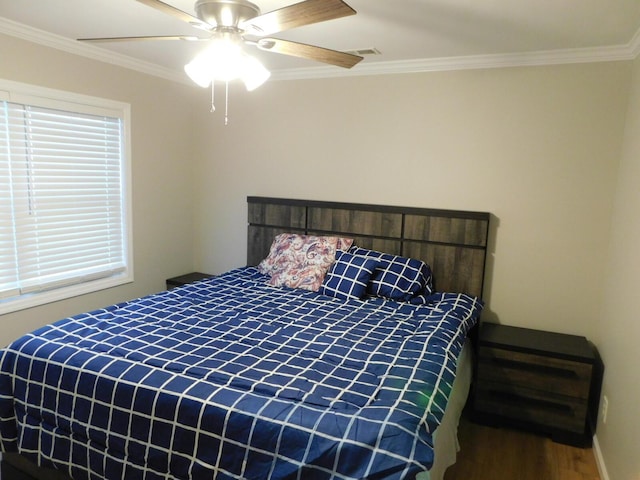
(78,103)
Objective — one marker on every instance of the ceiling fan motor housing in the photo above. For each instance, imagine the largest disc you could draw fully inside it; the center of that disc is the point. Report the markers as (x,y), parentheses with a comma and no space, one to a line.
(226,13)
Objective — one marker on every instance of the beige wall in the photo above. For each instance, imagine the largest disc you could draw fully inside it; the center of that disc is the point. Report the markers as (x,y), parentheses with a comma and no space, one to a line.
(619,325)
(540,148)
(537,147)
(162,173)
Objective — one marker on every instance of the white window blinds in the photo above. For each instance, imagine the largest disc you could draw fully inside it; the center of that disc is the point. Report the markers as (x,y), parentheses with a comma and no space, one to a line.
(63,202)
(9,271)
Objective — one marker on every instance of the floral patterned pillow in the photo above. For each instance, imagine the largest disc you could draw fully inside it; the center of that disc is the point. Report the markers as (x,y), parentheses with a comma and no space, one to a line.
(301,261)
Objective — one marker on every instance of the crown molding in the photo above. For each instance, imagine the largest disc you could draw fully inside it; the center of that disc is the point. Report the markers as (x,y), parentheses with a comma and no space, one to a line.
(629,51)
(25,32)
(626,52)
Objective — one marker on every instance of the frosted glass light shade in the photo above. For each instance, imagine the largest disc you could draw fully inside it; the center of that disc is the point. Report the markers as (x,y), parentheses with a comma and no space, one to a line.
(225,61)
(254,73)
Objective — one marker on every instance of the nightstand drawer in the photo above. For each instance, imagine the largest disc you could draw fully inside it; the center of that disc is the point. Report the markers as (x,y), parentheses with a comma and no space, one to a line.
(532,406)
(558,376)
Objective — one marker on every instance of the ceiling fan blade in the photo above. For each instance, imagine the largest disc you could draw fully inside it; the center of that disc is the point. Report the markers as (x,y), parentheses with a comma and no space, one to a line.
(311,52)
(297,15)
(143,38)
(177,13)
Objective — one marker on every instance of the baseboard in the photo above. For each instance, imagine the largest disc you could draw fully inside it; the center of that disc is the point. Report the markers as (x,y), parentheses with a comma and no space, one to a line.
(602,469)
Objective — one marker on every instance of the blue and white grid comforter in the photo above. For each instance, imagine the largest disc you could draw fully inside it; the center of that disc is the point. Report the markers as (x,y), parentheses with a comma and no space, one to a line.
(231,378)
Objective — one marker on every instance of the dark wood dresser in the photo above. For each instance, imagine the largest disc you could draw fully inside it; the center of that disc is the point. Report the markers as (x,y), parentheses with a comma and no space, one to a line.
(542,381)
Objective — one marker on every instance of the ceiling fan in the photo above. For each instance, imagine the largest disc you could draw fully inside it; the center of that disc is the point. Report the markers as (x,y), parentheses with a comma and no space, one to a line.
(233,21)
(231,24)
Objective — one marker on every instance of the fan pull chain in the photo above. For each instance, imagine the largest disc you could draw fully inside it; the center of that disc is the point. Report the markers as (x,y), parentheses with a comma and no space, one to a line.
(226,101)
(226,104)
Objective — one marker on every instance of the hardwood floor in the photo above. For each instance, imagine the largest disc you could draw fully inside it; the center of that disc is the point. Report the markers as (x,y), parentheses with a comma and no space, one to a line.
(489,453)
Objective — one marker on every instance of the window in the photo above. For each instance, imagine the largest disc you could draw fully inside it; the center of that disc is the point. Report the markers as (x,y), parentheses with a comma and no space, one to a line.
(64,195)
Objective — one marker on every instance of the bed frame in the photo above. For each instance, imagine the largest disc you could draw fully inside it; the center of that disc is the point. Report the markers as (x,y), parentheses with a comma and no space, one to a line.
(452,242)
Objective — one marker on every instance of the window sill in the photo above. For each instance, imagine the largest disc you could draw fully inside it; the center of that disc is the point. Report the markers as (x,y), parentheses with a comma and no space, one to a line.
(23,302)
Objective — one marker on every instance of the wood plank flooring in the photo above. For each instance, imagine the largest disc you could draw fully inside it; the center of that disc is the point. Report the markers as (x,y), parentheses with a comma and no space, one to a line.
(489,453)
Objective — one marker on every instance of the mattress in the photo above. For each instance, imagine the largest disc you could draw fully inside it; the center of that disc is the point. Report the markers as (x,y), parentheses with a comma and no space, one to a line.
(232,378)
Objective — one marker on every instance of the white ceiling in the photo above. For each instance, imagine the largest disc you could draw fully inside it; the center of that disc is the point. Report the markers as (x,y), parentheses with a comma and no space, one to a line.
(412,35)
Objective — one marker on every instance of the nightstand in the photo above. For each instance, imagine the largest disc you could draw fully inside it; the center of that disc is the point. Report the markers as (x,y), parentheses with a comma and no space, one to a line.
(543,381)
(187,278)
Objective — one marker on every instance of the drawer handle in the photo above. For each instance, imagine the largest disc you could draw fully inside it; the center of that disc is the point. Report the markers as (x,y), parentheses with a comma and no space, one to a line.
(515,399)
(533,367)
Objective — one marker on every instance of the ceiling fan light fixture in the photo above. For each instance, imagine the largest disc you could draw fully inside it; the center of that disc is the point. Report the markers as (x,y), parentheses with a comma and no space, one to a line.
(225,60)
(254,73)
(198,72)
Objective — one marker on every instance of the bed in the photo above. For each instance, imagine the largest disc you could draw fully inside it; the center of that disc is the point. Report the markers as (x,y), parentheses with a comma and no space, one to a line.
(235,377)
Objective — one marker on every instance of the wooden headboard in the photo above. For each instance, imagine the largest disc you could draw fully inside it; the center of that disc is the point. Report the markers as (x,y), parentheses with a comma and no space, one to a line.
(453,243)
